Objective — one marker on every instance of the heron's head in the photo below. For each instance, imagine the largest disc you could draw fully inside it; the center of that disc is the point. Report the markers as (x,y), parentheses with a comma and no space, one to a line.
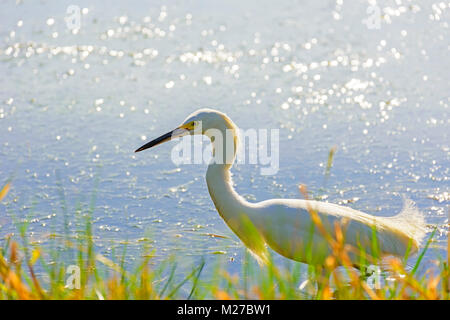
(207,122)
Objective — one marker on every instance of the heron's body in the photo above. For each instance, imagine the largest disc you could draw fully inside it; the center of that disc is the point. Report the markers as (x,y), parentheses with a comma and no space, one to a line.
(285,225)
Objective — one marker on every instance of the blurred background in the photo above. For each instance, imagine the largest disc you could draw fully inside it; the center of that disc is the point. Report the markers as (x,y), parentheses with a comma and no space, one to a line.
(84,83)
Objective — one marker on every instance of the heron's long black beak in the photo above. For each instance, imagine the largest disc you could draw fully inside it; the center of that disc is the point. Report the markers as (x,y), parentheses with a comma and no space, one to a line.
(178,132)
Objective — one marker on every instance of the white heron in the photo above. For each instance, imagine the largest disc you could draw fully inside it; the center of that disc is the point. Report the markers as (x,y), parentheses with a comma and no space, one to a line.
(285,225)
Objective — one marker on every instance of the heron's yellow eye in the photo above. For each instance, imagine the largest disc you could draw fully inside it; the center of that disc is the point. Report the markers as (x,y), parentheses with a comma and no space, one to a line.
(189,126)
(192,125)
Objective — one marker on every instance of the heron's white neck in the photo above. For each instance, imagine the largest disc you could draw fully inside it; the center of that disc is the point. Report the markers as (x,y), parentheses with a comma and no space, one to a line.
(227,201)
(234,209)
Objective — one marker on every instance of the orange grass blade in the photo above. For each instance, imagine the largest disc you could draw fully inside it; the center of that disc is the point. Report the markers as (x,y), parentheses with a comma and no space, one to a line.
(5,190)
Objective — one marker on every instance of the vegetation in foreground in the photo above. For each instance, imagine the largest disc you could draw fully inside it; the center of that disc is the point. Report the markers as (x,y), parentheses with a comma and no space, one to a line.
(97,277)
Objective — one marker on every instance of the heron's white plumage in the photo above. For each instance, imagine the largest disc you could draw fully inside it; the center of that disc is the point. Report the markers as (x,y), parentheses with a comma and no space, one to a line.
(285,225)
